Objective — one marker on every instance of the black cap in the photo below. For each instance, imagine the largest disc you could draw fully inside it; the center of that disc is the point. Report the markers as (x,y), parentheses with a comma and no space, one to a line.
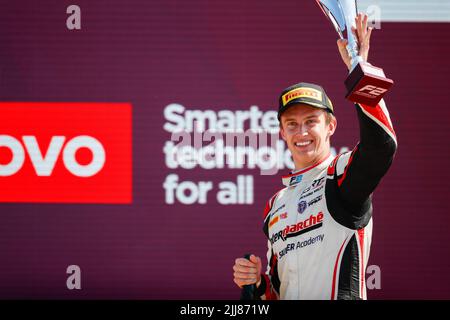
(305,93)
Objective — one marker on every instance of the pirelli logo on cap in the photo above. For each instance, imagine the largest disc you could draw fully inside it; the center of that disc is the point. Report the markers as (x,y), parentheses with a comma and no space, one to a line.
(301,93)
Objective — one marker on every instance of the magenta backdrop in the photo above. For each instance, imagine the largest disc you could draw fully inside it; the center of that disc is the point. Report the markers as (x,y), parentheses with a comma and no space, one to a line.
(214,55)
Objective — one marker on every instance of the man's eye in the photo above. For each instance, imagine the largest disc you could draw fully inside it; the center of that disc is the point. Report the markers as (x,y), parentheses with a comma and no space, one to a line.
(310,121)
(291,124)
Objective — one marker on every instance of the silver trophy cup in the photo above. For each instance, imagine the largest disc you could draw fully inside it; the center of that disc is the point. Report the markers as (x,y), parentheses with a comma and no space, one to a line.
(366,84)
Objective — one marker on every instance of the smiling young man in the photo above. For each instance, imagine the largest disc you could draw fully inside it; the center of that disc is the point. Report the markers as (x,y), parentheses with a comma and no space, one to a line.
(306,123)
(319,227)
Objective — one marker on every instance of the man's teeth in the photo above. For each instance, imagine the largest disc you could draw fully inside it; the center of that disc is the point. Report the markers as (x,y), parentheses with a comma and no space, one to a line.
(302,144)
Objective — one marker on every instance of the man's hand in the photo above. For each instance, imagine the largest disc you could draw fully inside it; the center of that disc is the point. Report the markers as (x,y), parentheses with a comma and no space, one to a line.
(362,34)
(247,271)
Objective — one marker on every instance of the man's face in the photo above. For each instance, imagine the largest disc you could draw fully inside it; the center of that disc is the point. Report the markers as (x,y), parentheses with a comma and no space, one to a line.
(307,134)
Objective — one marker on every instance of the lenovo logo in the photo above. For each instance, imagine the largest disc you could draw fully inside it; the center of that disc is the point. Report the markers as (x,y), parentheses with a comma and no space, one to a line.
(43,165)
(65,152)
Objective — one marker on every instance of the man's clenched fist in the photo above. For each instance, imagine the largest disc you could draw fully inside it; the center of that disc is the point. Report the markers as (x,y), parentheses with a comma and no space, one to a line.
(247,271)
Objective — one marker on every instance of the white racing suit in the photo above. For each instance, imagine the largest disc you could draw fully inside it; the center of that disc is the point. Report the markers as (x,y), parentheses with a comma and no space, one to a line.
(319,226)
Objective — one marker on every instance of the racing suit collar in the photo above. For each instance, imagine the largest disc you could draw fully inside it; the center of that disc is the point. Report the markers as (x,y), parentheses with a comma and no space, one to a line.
(306,173)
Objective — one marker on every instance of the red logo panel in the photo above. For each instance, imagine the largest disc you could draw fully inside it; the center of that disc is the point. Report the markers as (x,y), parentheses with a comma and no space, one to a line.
(65,152)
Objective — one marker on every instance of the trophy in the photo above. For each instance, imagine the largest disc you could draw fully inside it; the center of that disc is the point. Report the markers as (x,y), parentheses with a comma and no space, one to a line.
(366,84)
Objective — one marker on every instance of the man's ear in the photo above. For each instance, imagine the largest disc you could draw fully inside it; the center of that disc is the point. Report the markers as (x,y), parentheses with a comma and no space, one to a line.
(332,126)
(282,133)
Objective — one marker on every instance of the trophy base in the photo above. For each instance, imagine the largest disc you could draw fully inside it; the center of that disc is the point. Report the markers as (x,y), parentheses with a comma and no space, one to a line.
(367,84)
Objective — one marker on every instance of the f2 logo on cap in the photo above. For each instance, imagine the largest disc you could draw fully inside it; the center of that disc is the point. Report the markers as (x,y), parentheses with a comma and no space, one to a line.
(65,152)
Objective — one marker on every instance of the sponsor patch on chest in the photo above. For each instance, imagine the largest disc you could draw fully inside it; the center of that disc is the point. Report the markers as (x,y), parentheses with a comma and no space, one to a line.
(303,204)
(312,223)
